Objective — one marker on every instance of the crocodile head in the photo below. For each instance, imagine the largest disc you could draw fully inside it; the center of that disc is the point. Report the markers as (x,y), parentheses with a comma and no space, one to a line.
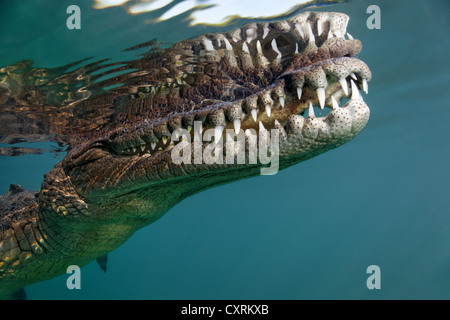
(180,115)
(203,95)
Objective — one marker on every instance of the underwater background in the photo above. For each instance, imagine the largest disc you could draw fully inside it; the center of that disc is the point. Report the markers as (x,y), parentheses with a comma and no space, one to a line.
(308,232)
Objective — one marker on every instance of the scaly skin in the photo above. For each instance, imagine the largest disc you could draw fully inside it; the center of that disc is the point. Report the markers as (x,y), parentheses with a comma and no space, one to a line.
(113,183)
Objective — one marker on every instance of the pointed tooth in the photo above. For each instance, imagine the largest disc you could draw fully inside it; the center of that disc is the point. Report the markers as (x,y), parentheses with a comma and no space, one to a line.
(353,76)
(319,27)
(330,35)
(266,32)
(245,48)
(159,149)
(164,139)
(321,95)
(142,148)
(344,85)
(310,33)
(335,103)
(299,93)
(299,29)
(227,44)
(268,110)
(134,149)
(237,125)
(311,111)
(259,48)
(282,102)
(355,91)
(218,133)
(296,47)
(365,85)
(208,45)
(189,128)
(275,48)
(153,145)
(349,36)
(254,113)
(276,122)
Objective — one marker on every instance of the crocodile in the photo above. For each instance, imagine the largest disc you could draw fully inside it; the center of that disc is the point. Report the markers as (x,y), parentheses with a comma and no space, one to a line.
(265,77)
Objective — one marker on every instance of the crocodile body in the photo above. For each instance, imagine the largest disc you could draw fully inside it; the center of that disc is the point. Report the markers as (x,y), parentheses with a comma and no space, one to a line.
(263,77)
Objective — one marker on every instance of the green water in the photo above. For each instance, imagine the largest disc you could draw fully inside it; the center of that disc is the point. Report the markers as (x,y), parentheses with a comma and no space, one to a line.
(308,232)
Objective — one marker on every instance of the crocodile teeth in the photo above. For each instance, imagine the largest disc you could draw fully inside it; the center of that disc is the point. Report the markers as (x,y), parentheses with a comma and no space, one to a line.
(310,33)
(218,133)
(142,148)
(268,110)
(299,29)
(259,48)
(164,139)
(153,145)
(208,45)
(335,103)
(299,93)
(282,102)
(254,113)
(134,149)
(321,95)
(227,44)
(245,48)
(311,111)
(275,48)
(344,85)
(365,85)
(266,32)
(237,125)
(330,35)
(319,27)
(189,128)
(355,91)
